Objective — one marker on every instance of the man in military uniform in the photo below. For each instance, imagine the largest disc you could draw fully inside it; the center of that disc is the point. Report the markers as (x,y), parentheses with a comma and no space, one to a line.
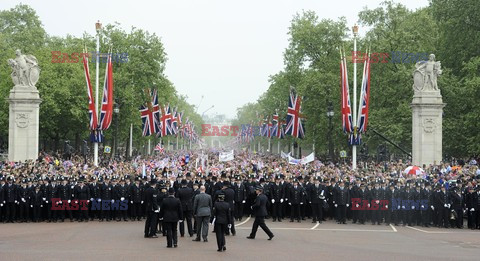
(295,199)
(316,196)
(121,194)
(471,205)
(10,199)
(106,195)
(278,194)
(153,209)
(457,206)
(260,211)
(23,202)
(240,197)
(82,194)
(376,196)
(95,194)
(136,199)
(444,202)
(2,198)
(50,200)
(341,202)
(65,195)
(36,203)
(221,217)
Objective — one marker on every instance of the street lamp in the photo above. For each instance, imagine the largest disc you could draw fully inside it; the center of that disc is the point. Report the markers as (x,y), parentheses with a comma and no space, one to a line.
(330,114)
(116,110)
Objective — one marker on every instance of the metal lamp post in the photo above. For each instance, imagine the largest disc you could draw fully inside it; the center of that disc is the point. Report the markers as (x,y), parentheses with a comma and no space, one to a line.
(330,114)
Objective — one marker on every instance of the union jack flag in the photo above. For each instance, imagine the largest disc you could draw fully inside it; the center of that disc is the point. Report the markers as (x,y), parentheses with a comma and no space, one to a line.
(278,127)
(364,99)
(346,109)
(294,119)
(174,121)
(165,128)
(159,148)
(92,112)
(150,115)
(107,101)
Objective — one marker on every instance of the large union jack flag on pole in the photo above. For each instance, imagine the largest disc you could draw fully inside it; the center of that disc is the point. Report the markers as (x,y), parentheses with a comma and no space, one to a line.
(92,112)
(150,115)
(362,119)
(106,113)
(347,121)
(294,119)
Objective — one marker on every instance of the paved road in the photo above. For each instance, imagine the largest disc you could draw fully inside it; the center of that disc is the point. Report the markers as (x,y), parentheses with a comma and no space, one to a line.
(293,241)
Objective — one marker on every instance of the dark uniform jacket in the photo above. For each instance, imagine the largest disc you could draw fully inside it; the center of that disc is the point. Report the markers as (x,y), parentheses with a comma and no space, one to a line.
(296,195)
(239,192)
(136,193)
(316,194)
(222,212)
(171,210)
(260,206)
(277,192)
(185,194)
(341,196)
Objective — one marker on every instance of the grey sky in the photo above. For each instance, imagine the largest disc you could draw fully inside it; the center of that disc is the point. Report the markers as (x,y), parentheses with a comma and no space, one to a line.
(222,49)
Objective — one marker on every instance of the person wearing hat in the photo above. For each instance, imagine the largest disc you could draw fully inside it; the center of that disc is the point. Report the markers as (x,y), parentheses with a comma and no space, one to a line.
(153,210)
(471,205)
(36,203)
(341,202)
(10,198)
(136,196)
(81,195)
(107,196)
(277,191)
(95,193)
(65,194)
(2,197)
(229,198)
(458,203)
(51,195)
(221,219)
(171,213)
(295,199)
(121,194)
(316,197)
(444,202)
(185,194)
(426,205)
(260,212)
(202,206)
(23,202)
(239,198)
(376,194)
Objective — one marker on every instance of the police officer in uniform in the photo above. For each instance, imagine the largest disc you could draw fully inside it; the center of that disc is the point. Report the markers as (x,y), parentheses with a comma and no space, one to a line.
(341,202)
(222,219)
(171,213)
(153,209)
(260,211)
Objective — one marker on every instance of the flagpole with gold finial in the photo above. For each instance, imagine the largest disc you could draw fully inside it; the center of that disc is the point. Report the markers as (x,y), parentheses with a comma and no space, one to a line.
(98,27)
(354,147)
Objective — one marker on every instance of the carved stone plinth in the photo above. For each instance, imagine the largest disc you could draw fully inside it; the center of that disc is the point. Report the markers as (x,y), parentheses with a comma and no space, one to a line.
(427,109)
(23,123)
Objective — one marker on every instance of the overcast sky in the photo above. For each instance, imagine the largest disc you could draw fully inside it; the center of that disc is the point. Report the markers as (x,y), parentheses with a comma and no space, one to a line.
(224,50)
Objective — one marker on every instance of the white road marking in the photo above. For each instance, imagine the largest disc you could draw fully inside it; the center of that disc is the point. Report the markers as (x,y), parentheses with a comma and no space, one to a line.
(316,225)
(428,232)
(243,222)
(394,229)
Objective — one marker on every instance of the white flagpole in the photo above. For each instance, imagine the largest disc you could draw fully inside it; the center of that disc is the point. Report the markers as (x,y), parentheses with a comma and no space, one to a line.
(148,148)
(354,147)
(131,141)
(98,27)
(278,147)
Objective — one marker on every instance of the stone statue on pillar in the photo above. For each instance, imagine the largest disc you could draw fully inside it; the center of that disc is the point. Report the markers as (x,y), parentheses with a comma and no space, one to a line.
(427,108)
(24,100)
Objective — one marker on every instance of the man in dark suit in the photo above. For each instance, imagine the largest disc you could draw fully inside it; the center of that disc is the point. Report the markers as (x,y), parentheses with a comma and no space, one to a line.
(171,213)
(185,194)
(152,210)
(202,207)
(277,192)
(221,220)
(260,211)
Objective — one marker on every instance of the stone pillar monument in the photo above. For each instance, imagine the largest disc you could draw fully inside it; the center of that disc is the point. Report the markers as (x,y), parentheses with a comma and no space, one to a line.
(24,110)
(427,109)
